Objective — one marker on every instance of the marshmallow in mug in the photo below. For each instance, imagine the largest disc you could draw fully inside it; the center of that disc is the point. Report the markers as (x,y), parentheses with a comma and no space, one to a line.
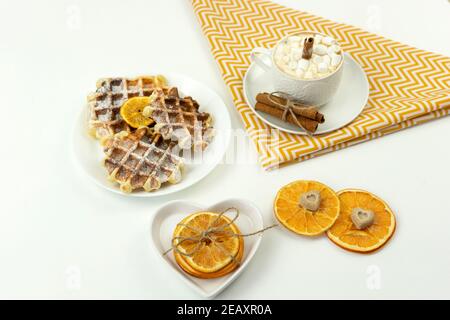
(326,57)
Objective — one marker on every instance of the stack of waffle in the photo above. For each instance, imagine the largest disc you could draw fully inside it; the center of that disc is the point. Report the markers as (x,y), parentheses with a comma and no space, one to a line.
(148,156)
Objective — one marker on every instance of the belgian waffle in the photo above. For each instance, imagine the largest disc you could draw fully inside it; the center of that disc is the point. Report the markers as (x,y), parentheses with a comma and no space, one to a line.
(141,159)
(111,93)
(178,119)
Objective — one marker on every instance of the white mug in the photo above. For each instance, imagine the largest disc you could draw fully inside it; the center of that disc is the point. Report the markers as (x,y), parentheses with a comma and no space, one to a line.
(315,92)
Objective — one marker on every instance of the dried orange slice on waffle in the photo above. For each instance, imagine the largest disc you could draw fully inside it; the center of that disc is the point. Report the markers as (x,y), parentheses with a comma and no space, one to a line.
(376,227)
(217,254)
(131,112)
(306,207)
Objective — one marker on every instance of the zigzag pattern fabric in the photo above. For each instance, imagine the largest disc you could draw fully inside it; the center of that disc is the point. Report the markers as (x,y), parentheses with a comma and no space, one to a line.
(408,86)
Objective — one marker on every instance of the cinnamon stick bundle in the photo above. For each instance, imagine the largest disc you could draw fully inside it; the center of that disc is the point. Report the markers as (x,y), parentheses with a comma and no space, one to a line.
(299,109)
(308,124)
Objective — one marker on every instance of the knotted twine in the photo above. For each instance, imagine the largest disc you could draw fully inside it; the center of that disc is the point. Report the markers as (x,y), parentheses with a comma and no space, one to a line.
(206,235)
(289,107)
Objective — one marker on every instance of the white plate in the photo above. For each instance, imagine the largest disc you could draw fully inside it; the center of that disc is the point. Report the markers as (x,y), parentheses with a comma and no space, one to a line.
(168,216)
(345,107)
(89,153)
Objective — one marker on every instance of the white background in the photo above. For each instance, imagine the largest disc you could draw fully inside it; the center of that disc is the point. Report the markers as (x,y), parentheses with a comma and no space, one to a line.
(57,226)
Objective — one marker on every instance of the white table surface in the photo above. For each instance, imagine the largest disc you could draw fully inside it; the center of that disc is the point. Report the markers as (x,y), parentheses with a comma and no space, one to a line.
(61,236)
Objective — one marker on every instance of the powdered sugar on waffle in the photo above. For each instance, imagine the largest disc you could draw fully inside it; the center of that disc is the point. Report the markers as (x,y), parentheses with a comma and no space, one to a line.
(141,160)
(111,93)
(179,119)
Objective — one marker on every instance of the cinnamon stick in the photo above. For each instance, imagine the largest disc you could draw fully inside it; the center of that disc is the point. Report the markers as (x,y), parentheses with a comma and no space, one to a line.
(308,48)
(309,124)
(298,108)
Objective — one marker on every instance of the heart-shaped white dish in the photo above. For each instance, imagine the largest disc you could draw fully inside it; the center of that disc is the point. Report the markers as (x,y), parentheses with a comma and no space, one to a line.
(169,215)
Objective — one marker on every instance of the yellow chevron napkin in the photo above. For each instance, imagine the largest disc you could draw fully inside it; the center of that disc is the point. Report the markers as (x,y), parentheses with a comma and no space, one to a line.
(408,86)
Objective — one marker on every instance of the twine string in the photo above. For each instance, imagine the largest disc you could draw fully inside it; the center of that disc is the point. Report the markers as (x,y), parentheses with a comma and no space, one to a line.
(288,108)
(210,234)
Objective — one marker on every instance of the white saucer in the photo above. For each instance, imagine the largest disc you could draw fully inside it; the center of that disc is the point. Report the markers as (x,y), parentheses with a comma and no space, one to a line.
(345,107)
(89,154)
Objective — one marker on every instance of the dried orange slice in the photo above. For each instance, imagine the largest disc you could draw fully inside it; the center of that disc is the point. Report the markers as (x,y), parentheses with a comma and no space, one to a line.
(301,218)
(220,251)
(346,234)
(131,112)
(222,272)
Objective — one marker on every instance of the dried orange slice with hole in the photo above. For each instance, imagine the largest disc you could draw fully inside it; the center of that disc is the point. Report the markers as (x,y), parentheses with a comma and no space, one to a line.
(346,234)
(214,253)
(296,217)
(131,112)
